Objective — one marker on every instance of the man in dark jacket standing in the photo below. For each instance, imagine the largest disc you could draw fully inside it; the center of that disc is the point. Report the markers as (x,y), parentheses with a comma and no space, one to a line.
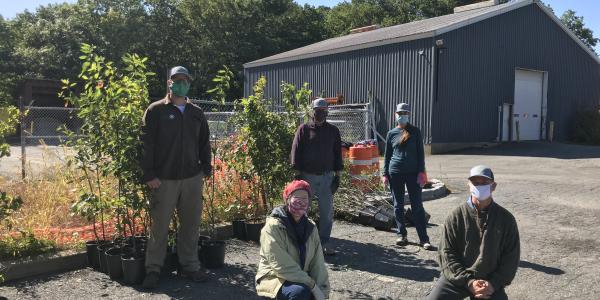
(317,158)
(176,158)
(480,249)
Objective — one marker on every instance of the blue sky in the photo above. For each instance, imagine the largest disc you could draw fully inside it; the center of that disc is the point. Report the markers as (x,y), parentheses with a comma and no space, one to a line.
(589,9)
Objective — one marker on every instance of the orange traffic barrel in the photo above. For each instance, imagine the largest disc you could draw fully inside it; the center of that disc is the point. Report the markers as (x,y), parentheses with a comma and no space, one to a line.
(375,163)
(361,165)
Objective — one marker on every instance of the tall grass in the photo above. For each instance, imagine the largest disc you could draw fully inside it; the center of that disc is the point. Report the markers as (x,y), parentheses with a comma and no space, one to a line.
(48,193)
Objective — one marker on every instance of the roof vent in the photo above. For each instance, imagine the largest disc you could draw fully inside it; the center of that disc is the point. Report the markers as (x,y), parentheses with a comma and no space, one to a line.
(364,29)
(477,5)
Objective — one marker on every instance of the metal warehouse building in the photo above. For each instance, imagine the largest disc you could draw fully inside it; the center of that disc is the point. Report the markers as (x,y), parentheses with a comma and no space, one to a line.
(472,77)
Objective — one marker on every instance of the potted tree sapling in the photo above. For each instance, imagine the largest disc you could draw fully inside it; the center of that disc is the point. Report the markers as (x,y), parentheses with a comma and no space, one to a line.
(212,250)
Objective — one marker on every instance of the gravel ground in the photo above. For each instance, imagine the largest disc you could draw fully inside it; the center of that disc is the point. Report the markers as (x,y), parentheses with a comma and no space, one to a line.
(552,189)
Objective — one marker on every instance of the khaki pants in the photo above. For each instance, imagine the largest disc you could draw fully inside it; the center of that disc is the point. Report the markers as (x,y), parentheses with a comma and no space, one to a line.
(186,196)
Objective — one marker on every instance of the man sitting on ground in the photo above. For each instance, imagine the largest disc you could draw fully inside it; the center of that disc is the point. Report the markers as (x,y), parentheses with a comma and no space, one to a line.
(480,249)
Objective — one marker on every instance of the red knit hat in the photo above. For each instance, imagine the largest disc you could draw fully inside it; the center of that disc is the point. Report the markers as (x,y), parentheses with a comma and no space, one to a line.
(294,186)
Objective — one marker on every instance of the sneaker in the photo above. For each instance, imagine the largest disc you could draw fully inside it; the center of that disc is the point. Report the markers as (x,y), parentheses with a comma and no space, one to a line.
(198,276)
(427,246)
(402,241)
(328,251)
(151,280)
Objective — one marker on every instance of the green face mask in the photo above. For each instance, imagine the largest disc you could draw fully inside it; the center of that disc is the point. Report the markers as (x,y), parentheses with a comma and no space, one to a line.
(180,87)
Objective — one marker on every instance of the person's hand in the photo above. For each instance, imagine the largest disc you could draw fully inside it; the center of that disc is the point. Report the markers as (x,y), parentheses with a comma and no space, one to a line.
(385,180)
(422,179)
(480,288)
(335,184)
(154,183)
(488,290)
(317,293)
(207,173)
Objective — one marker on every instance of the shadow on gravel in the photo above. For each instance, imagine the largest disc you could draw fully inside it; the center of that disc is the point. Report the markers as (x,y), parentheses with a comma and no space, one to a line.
(385,261)
(230,282)
(27,286)
(541,268)
(354,295)
(536,149)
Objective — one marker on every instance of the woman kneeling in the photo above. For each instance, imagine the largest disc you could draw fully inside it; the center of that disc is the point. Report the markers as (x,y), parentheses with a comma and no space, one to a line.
(291,258)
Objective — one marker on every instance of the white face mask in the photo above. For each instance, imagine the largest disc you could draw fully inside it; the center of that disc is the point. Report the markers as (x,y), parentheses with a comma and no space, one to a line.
(481,192)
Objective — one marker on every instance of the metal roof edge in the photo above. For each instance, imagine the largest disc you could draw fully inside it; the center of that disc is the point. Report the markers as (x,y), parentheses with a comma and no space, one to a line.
(341,50)
(433,33)
(488,15)
(567,30)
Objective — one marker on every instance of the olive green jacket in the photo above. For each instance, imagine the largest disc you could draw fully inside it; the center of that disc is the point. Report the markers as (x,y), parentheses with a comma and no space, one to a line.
(490,251)
(280,260)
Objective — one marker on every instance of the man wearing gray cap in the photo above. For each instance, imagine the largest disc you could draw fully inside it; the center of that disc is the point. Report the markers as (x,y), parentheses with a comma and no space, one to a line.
(317,158)
(480,249)
(176,158)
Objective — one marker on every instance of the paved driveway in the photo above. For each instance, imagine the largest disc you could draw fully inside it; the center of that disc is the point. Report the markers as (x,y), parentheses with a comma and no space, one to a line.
(552,189)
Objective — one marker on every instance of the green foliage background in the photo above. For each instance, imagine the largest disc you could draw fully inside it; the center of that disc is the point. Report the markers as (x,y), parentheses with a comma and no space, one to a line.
(202,35)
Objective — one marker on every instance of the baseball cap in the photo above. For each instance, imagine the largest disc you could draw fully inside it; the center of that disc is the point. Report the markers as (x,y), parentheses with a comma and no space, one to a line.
(403,107)
(481,171)
(179,70)
(319,103)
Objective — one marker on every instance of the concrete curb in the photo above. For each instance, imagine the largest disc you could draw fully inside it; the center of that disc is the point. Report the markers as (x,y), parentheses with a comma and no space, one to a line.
(43,264)
(71,259)
(437,190)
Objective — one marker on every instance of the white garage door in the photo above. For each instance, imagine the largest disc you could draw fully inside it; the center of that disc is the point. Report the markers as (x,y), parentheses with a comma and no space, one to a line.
(527,110)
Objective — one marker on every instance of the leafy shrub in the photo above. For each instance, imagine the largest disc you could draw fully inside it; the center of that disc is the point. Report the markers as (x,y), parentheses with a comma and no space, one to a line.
(23,245)
(9,117)
(587,127)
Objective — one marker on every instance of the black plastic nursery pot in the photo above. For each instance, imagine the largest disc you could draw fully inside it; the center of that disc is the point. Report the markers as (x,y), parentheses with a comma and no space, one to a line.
(201,239)
(133,268)
(239,229)
(138,241)
(102,256)
(213,254)
(91,250)
(253,228)
(113,259)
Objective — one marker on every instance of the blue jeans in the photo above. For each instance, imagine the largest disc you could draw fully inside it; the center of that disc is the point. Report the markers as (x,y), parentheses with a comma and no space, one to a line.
(321,187)
(294,291)
(397,183)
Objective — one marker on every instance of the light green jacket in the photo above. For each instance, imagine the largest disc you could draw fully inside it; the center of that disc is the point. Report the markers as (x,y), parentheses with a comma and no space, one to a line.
(280,261)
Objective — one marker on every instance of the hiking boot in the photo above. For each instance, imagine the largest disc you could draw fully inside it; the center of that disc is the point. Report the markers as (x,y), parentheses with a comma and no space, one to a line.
(196,276)
(427,246)
(151,280)
(402,241)
(328,251)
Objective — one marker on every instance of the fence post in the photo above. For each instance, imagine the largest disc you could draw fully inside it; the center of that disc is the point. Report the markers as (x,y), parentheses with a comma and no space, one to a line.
(22,133)
(367,122)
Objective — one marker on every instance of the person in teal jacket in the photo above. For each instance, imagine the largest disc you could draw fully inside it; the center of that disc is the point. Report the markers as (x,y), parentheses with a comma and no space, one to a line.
(404,165)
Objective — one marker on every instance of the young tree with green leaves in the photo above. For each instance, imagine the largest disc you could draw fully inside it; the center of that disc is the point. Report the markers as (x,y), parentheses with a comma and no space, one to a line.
(110,106)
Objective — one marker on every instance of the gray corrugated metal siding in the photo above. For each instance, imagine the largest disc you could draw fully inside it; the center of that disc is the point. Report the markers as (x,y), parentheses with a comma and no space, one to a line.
(393,73)
(476,74)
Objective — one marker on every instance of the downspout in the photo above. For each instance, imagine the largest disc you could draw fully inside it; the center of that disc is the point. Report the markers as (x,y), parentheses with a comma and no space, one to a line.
(434,88)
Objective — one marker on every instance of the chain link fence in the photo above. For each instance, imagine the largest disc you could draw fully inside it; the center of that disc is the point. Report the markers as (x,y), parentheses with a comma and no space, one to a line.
(43,125)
